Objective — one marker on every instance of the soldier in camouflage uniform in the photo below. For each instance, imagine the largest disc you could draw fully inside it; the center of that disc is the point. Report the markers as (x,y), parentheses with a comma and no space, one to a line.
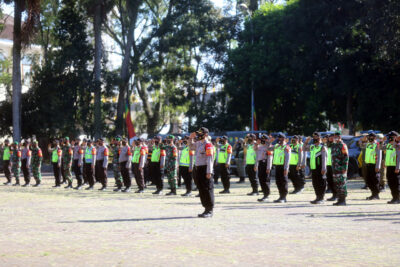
(67,154)
(16,162)
(170,169)
(116,146)
(340,163)
(36,163)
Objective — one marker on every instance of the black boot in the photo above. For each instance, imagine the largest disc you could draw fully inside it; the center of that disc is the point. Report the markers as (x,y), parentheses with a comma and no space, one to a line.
(126,190)
(340,202)
(333,198)
(37,184)
(254,192)
(280,200)
(263,199)
(172,192)
(69,185)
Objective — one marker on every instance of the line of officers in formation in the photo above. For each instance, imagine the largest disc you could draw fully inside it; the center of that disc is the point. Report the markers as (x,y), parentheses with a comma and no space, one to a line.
(196,159)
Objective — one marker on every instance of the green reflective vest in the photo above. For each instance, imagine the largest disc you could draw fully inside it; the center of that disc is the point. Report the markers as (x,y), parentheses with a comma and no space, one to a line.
(54,155)
(370,154)
(185,157)
(250,155)
(391,158)
(136,155)
(315,156)
(88,155)
(329,157)
(223,154)
(155,155)
(279,155)
(6,153)
(294,157)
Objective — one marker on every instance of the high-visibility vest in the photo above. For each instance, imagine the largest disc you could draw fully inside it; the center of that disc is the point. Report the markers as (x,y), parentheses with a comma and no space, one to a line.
(391,156)
(155,155)
(315,156)
(223,153)
(136,155)
(185,157)
(329,157)
(294,157)
(6,153)
(88,155)
(250,155)
(279,155)
(370,154)
(54,155)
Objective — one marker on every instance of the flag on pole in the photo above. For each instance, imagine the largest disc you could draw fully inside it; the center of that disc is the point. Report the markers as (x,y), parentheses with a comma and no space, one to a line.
(255,122)
(128,120)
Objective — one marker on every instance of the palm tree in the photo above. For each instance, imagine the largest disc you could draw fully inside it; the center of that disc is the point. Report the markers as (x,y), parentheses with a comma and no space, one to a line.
(22,36)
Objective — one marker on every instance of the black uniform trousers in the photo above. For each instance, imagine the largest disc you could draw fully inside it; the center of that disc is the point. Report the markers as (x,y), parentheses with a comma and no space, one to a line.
(297,177)
(126,178)
(217,172)
(373,179)
(7,169)
(57,173)
(64,179)
(138,176)
(319,183)
(329,180)
(85,180)
(88,171)
(393,181)
(26,172)
(225,175)
(187,177)
(155,174)
(206,187)
(281,180)
(146,173)
(77,171)
(101,173)
(252,177)
(265,179)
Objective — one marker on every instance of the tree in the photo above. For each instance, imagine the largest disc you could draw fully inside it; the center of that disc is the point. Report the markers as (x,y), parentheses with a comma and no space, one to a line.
(21,35)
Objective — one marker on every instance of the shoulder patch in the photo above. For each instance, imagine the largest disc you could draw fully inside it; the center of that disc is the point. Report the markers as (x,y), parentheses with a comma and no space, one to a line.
(209,149)
(106,152)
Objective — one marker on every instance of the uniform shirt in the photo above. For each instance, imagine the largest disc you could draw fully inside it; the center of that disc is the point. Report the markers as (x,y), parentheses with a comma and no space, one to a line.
(377,151)
(340,157)
(26,154)
(143,155)
(222,151)
(78,154)
(37,157)
(59,153)
(102,154)
(261,152)
(287,151)
(300,152)
(324,154)
(204,154)
(125,155)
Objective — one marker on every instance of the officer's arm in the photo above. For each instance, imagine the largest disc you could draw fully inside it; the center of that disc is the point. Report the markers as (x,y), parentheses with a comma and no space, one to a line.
(94,154)
(270,156)
(228,159)
(398,158)
(378,157)
(80,157)
(191,158)
(59,152)
(288,151)
(105,162)
(323,159)
(210,161)
(129,156)
(142,160)
(300,153)
(28,157)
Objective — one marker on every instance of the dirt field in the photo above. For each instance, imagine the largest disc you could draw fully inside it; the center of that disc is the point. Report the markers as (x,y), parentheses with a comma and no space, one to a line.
(48,227)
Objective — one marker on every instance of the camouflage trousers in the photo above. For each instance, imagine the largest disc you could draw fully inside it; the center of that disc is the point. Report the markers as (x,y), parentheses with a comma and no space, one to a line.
(340,182)
(16,170)
(171,174)
(117,174)
(67,170)
(37,174)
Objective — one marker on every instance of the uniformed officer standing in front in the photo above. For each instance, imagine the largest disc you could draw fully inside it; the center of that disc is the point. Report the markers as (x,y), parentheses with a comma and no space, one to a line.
(264,163)
(204,169)
(281,160)
(224,154)
(36,162)
(138,161)
(392,164)
(16,162)
(101,164)
(328,141)
(67,158)
(373,157)
(125,158)
(250,157)
(156,161)
(6,154)
(77,162)
(296,158)
(26,162)
(340,165)
(55,154)
(116,149)
(89,165)
(318,155)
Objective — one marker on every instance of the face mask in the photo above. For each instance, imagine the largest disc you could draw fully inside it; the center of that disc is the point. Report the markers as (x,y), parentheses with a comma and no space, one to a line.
(371,139)
(124,143)
(185,142)
(156,142)
(281,141)
(315,140)
(263,142)
(391,139)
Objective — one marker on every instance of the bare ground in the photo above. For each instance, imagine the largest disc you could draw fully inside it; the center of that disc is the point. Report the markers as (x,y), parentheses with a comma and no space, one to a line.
(58,227)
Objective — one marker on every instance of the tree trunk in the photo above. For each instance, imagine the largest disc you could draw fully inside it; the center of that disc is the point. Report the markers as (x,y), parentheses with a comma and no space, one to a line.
(253,5)
(349,112)
(97,71)
(16,75)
